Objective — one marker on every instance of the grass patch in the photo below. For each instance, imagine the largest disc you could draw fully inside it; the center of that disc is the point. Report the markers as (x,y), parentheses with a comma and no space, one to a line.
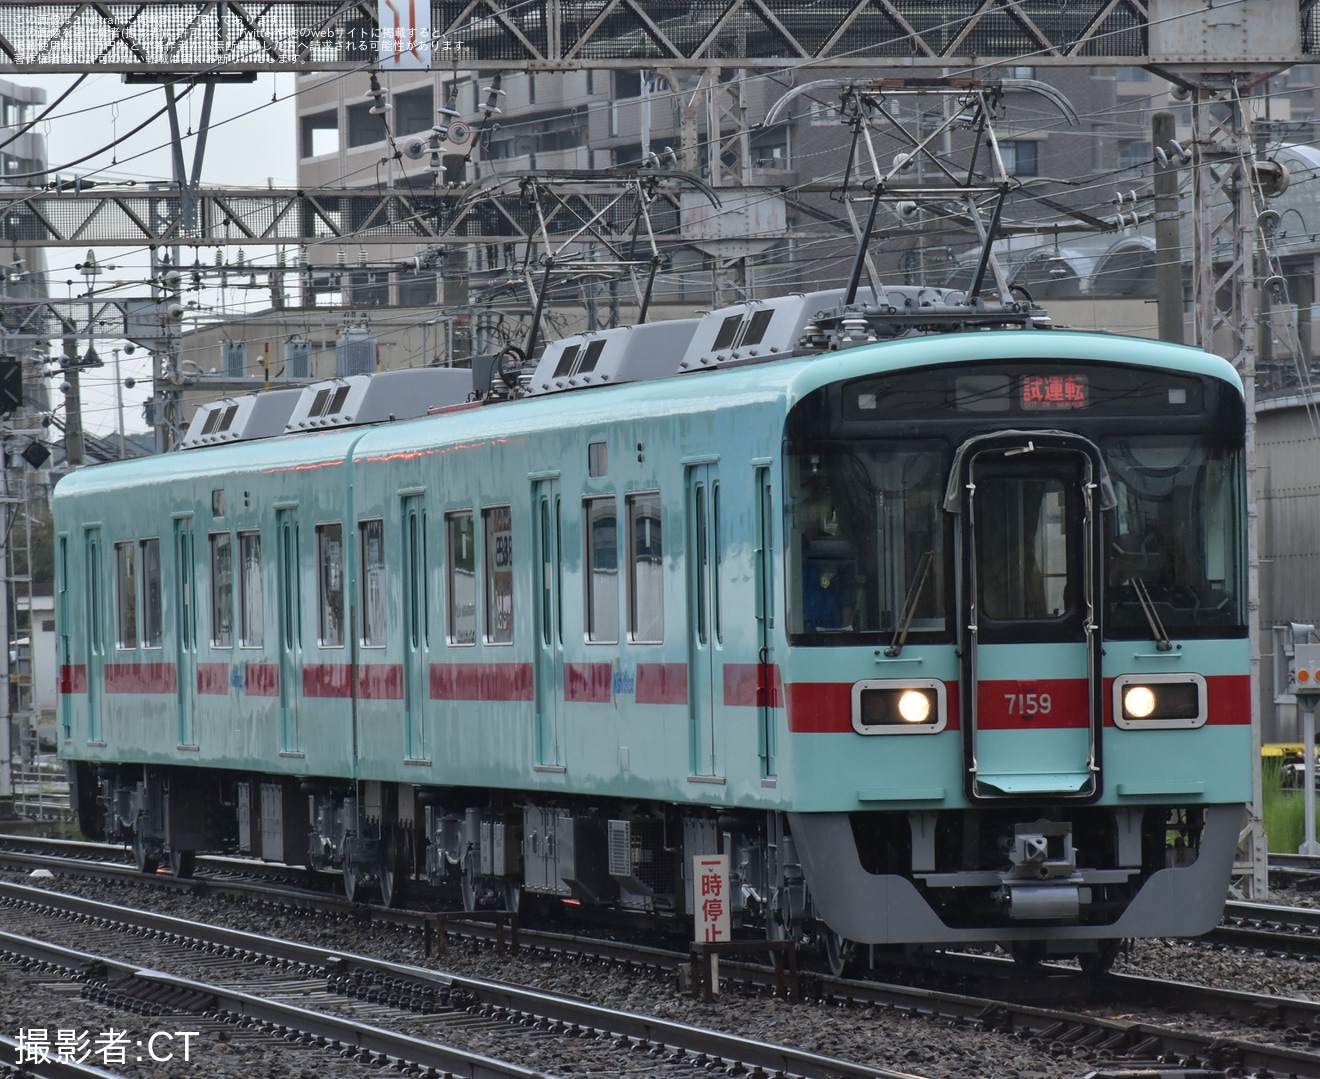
(1283,811)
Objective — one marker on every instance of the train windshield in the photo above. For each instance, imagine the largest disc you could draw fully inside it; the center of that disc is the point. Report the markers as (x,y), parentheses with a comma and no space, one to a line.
(1175,535)
(866,539)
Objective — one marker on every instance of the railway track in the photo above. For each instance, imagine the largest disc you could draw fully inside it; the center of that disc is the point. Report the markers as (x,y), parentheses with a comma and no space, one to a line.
(274,983)
(1282,931)
(389,985)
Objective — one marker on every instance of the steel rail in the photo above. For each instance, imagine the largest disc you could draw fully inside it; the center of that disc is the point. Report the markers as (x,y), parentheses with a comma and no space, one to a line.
(125,977)
(1120,1037)
(348,971)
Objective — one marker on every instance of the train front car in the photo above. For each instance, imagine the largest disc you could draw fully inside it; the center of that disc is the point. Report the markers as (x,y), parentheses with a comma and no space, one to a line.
(1015,669)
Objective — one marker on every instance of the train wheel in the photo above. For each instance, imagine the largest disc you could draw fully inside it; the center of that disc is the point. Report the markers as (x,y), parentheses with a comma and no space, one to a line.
(391,870)
(1100,960)
(844,956)
(352,882)
(145,862)
(1027,953)
(182,862)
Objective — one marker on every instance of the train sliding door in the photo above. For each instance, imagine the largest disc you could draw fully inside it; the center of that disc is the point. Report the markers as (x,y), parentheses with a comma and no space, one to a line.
(64,652)
(766,746)
(185,642)
(548,673)
(290,615)
(1032,713)
(94,628)
(416,654)
(705,620)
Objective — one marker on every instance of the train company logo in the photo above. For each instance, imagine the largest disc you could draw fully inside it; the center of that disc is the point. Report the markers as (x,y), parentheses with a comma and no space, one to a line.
(625,682)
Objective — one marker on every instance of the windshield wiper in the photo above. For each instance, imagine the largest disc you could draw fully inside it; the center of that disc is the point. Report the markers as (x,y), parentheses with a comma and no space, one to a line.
(910,604)
(1152,619)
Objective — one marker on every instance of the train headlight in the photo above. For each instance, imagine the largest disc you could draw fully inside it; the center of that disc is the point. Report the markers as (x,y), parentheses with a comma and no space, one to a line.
(1138,702)
(1159,701)
(916,705)
(899,706)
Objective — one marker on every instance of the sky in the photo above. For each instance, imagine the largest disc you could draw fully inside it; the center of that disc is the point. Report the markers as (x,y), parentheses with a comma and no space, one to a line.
(252,143)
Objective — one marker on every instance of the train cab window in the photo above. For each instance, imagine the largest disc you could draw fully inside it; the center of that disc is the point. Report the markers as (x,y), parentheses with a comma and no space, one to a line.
(151,597)
(371,544)
(222,590)
(497,532)
(1024,548)
(646,578)
(1173,542)
(602,569)
(865,533)
(330,585)
(251,597)
(461,550)
(126,624)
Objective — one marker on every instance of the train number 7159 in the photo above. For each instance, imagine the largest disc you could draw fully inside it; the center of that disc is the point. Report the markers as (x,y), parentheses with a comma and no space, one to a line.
(1028,704)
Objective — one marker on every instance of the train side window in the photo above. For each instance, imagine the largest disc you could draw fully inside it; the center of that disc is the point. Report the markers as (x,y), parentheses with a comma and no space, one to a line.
(251,598)
(460,544)
(330,585)
(497,526)
(646,580)
(125,596)
(151,596)
(371,542)
(602,569)
(222,590)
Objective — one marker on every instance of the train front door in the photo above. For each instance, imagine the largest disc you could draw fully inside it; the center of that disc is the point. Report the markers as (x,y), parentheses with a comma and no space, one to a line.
(705,620)
(548,675)
(1029,506)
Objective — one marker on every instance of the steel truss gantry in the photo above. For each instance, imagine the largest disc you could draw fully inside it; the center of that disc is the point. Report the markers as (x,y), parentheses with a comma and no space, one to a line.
(180,37)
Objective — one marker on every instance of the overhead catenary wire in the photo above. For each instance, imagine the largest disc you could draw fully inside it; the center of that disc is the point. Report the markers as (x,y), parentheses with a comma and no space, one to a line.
(1098,180)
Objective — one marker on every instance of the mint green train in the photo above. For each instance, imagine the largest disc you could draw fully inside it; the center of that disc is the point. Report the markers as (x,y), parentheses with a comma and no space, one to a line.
(932,620)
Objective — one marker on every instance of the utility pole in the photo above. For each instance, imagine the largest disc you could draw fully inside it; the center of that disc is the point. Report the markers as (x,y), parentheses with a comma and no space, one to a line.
(1168,242)
(73,432)
(1218,59)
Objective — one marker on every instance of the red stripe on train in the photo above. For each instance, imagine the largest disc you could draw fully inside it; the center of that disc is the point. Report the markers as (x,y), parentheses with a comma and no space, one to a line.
(1032,704)
(753,685)
(73,678)
(826,707)
(380,682)
(1229,702)
(327,680)
(588,683)
(213,678)
(481,681)
(661,683)
(261,680)
(140,678)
